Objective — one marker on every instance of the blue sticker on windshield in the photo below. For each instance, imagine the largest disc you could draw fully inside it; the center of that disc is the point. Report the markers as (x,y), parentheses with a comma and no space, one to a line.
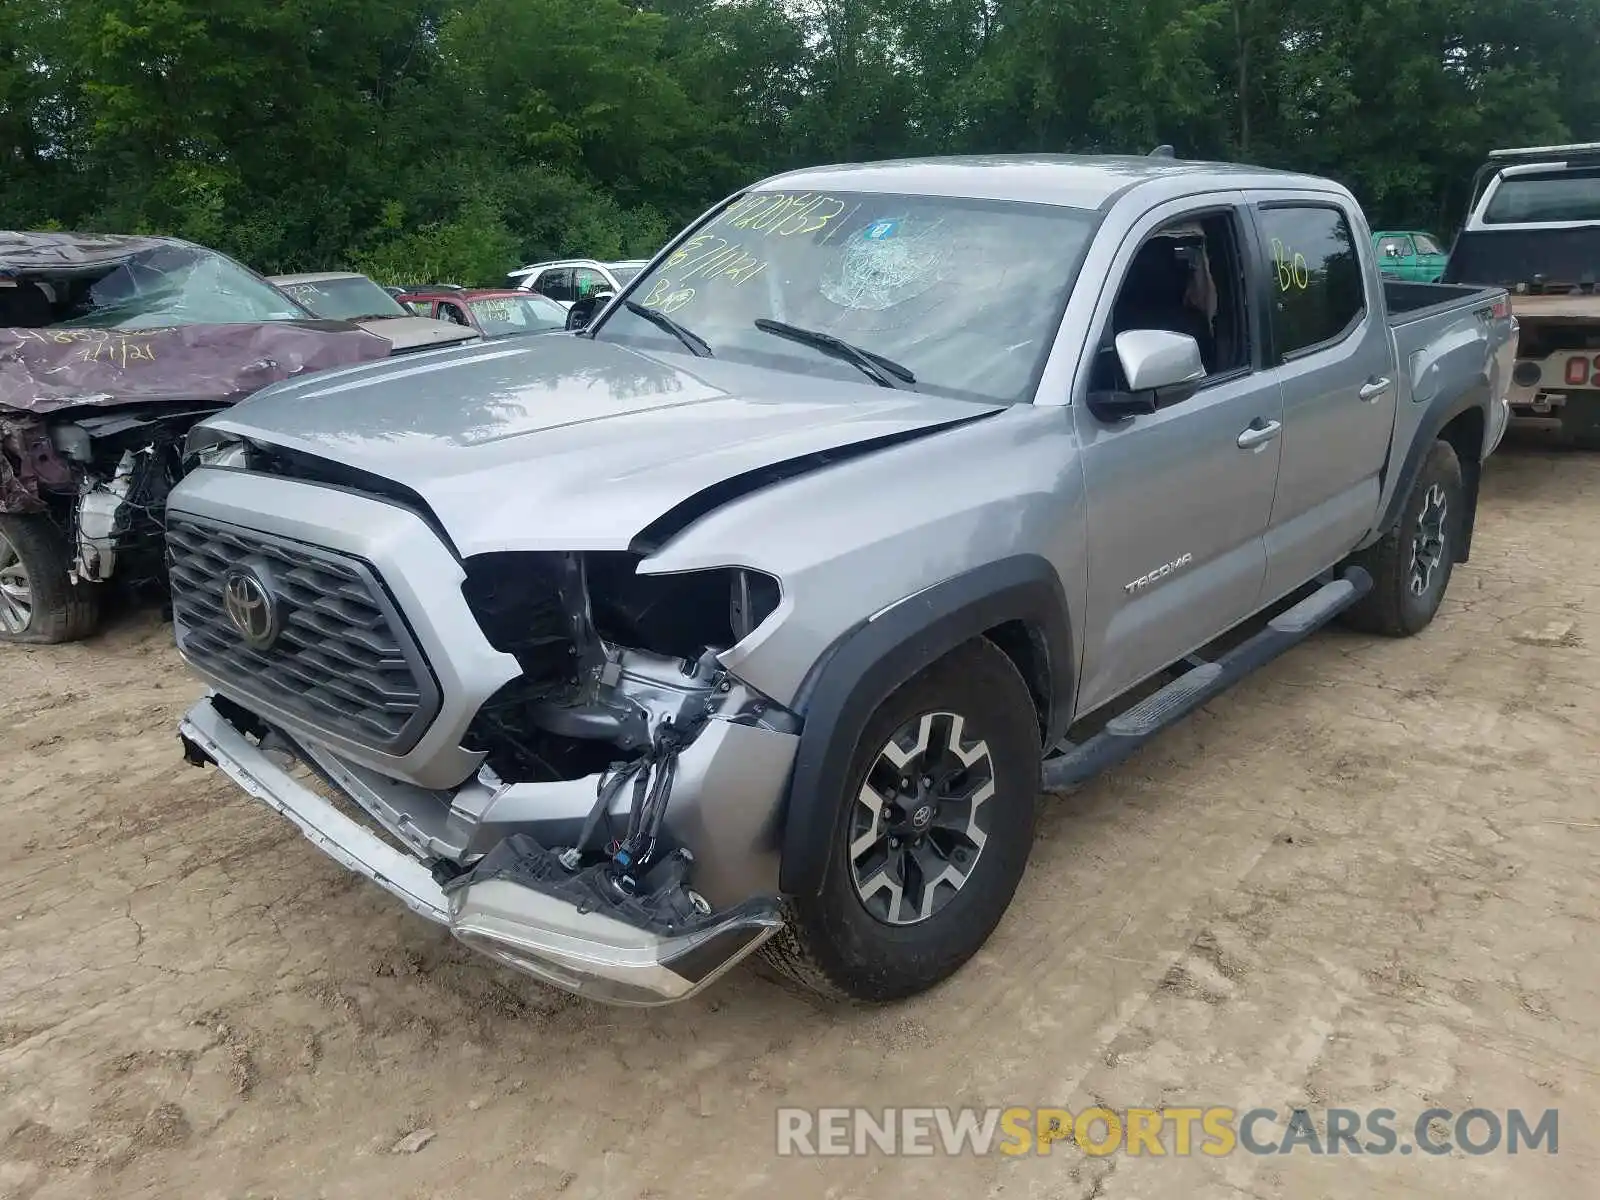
(879,230)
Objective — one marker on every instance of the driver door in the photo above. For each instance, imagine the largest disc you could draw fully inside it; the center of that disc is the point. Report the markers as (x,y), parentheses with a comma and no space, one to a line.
(1179,500)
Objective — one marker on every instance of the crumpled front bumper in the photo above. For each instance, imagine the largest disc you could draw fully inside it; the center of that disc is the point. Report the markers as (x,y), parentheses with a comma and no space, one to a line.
(584,948)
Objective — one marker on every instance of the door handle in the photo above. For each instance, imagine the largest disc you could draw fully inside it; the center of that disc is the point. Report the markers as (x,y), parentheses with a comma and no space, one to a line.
(1374,388)
(1259,435)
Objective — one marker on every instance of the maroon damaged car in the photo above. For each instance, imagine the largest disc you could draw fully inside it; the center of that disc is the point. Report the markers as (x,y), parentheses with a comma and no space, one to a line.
(110,349)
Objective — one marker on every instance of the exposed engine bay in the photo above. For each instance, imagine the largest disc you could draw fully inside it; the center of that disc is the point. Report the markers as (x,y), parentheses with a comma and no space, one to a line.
(102,479)
(593,700)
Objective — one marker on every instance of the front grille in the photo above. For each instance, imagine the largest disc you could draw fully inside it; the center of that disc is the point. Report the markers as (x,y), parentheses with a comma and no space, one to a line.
(343,663)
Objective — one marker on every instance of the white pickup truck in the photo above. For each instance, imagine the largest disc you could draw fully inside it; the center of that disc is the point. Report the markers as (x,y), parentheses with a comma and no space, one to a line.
(1533,228)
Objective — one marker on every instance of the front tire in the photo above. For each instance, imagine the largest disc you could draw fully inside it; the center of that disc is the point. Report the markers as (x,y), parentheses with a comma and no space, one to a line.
(1411,565)
(933,836)
(39,603)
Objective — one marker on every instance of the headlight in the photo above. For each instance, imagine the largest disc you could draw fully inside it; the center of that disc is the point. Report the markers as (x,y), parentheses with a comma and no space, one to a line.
(209,447)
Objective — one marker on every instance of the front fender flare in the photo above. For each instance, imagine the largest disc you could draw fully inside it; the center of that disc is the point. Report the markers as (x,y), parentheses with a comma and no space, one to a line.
(864,666)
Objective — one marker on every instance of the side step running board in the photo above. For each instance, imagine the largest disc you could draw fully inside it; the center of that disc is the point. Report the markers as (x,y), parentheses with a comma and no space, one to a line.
(1127,731)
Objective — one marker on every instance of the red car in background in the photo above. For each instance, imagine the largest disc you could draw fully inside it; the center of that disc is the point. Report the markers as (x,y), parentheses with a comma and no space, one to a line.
(493,312)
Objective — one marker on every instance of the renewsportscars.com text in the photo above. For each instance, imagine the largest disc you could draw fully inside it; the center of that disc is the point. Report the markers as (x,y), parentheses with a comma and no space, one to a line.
(1157,1132)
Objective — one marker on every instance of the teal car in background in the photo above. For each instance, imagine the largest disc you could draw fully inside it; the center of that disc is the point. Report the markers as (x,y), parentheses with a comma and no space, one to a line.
(1409,254)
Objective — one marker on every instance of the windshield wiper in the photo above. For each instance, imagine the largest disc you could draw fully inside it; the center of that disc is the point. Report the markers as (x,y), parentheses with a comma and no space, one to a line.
(697,344)
(884,371)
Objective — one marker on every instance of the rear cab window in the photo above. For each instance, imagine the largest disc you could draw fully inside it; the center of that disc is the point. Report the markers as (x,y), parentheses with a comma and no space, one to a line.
(1545,198)
(1315,286)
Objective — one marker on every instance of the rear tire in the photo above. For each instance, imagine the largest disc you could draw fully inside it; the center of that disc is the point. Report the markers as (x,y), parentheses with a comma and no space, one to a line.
(1411,565)
(39,603)
(913,888)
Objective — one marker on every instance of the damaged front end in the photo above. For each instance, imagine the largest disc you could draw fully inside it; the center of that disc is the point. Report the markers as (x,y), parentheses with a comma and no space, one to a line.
(101,479)
(618,838)
(588,708)
(124,464)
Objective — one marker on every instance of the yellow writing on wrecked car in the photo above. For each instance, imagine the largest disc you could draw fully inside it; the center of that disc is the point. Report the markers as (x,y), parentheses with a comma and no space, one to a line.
(119,353)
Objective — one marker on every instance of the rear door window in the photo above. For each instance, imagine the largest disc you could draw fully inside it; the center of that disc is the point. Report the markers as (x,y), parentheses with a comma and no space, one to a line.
(587,281)
(557,284)
(1314,283)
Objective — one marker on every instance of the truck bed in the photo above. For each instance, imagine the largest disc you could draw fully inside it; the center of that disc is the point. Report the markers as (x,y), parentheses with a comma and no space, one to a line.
(1409,302)
(1442,344)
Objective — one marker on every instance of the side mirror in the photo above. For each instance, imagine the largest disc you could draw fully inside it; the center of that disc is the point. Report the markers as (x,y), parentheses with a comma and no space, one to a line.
(583,310)
(1161,368)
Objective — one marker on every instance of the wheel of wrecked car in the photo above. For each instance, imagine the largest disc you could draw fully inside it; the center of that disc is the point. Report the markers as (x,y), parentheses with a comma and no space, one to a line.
(933,834)
(39,603)
(1411,565)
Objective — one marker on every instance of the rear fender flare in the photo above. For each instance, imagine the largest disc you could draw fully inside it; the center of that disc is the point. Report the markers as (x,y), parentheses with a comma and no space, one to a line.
(874,658)
(1441,412)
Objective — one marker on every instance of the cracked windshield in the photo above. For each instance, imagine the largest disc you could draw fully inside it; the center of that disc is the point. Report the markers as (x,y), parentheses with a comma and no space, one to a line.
(177,285)
(962,296)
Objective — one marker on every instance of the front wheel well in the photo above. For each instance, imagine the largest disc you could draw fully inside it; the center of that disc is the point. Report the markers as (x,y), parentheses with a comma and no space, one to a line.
(1025,646)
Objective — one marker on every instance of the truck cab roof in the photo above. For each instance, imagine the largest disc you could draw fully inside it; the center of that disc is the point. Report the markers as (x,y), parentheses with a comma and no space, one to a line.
(1071,180)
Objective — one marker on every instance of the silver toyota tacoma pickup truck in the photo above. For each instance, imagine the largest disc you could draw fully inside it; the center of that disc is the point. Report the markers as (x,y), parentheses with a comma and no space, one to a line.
(757,612)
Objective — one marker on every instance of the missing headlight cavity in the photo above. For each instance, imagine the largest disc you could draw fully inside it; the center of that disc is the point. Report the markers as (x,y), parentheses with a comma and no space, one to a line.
(681,614)
(608,658)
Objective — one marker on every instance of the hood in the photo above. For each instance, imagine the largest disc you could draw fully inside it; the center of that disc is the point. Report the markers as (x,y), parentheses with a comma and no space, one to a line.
(61,367)
(415,333)
(559,443)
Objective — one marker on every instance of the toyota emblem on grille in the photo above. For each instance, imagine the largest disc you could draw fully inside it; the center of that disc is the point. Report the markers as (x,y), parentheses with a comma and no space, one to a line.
(251,607)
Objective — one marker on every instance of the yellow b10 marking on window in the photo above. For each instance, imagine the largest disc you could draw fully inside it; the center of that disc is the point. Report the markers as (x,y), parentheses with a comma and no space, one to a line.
(1291,265)
(665,299)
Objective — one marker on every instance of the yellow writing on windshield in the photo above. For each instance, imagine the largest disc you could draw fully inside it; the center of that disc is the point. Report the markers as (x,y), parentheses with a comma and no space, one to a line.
(664,298)
(707,256)
(1291,266)
(703,258)
(779,214)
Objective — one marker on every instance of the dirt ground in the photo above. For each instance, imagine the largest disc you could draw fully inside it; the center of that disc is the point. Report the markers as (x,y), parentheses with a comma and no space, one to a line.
(1367,877)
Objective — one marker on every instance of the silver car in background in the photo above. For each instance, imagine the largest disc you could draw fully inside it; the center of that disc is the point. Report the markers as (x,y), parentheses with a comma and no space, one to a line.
(350,296)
